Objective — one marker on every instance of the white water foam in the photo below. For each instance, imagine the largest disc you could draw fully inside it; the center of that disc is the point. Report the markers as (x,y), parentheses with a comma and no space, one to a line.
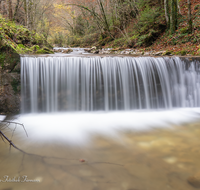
(2,117)
(79,127)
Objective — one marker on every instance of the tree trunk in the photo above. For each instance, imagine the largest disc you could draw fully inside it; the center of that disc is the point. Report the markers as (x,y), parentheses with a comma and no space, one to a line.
(179,9)
(174,16)
(27,14)
(16,10)
(10,13)
(25,11)
(166,7)
(189,17)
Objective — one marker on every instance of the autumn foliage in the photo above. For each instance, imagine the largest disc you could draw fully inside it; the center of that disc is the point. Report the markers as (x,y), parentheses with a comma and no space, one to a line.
(143,24)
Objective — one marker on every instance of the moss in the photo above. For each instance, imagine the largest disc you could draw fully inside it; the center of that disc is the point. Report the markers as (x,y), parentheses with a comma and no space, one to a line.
(168,53)
(196,7)
(15,84)
(182,52)
(21,46)
(35,48)
(19,38)
(184,30)
(45,50)
(9,59)
(2,59)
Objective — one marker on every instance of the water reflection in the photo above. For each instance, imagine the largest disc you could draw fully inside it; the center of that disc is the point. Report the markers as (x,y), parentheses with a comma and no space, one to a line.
(129,159)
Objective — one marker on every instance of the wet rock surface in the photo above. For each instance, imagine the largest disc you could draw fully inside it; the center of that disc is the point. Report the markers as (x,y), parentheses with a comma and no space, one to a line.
(67,51)
(9,82)
(9,92)
(115,51)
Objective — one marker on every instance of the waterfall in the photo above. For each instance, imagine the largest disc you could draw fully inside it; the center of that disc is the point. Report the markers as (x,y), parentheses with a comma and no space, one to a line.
(52,84)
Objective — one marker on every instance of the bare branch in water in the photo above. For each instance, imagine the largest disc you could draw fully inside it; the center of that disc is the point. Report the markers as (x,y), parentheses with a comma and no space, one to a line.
(11,122)
(11,144)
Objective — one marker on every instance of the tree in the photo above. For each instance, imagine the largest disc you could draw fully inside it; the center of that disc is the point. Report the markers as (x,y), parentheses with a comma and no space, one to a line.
(189,17)
(10,12)
(16,10)
(174,16)
(167,16)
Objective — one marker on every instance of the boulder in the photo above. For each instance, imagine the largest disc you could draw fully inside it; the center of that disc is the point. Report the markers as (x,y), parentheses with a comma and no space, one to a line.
(67,51)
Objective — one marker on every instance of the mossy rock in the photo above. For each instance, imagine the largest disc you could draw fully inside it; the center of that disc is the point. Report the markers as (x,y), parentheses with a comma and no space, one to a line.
(168,53)
(45,50)
(35,48)
(182,52)
(8,60)
(15,85)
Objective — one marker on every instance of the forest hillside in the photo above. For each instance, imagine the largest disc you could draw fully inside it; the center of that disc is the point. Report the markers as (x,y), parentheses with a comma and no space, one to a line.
(170,25)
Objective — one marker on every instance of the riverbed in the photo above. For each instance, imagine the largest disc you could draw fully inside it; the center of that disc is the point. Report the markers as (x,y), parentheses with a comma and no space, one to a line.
(155,158)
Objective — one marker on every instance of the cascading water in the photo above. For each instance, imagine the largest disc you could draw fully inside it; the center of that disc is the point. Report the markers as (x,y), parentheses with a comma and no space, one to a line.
(52,84)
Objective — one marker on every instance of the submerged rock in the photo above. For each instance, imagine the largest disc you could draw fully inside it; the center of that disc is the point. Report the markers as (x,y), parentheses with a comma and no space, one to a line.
(194,180)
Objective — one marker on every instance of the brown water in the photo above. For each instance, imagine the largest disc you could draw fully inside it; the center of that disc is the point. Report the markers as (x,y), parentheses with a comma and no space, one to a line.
(161,159)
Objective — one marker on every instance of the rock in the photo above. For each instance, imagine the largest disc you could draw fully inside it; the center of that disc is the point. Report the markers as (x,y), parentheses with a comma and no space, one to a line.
(194,180)
(67,51)
(9,60)
(44,50)
(90,50)
(87,50)
(94,48)
(127,51)
(138,53)
(57,50)
(167,53)
(96,51)
(159,53)
(17,68)
(9,92)
(147,53)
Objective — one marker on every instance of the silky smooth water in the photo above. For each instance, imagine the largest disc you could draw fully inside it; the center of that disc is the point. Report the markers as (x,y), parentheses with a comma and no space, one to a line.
(52,84)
